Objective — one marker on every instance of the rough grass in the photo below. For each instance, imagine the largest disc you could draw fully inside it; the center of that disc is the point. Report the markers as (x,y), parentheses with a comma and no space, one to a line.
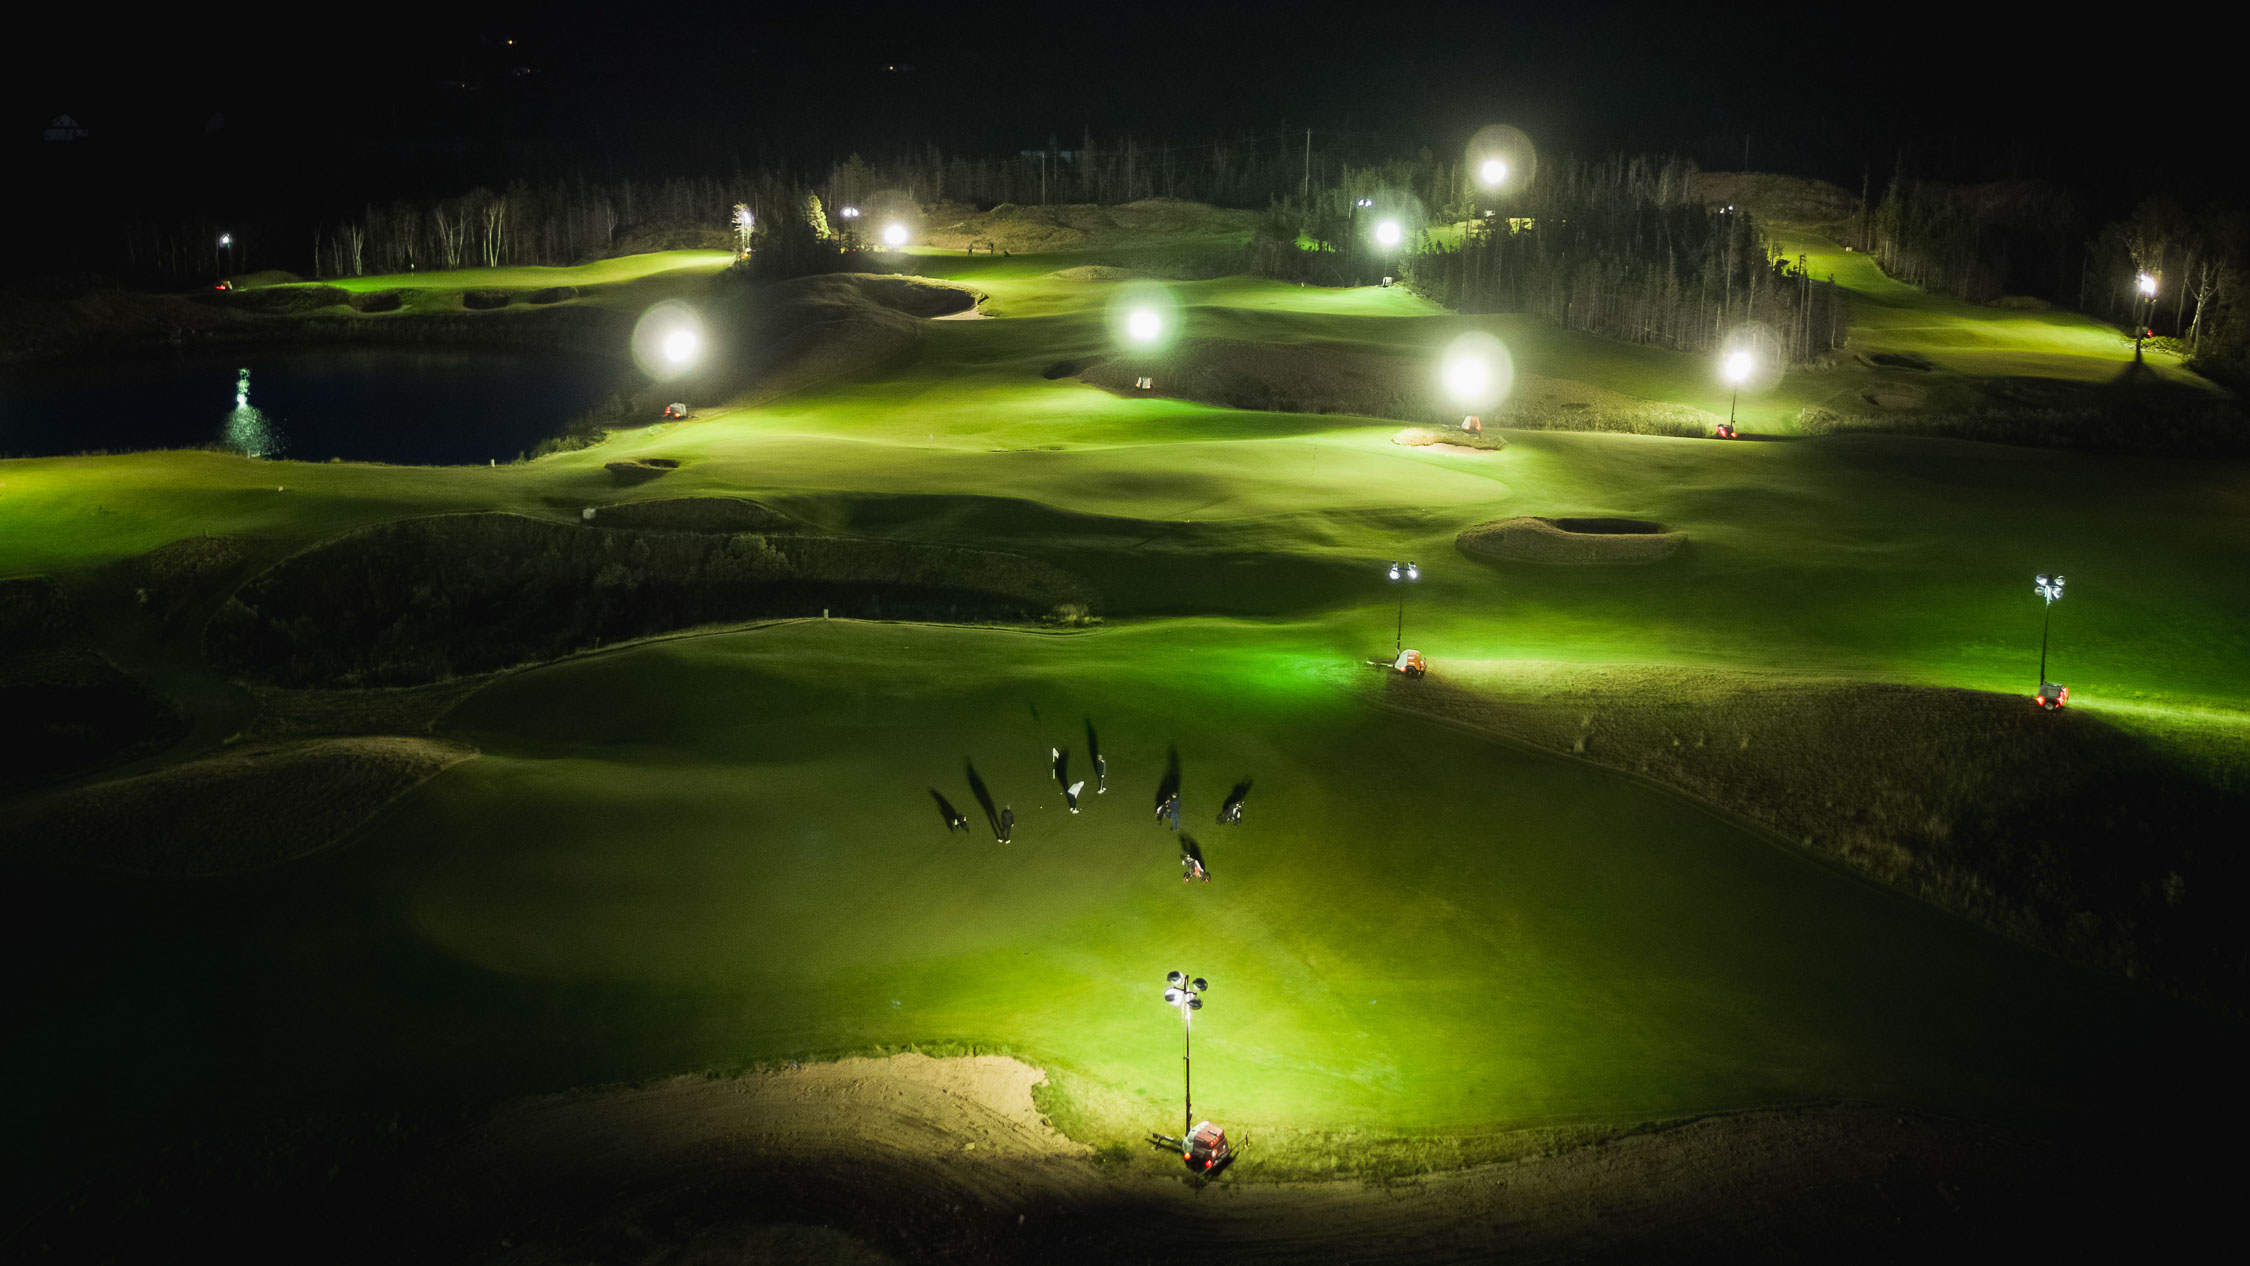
(2063,830)
(64,707)
(169,581)
(242,809)
(2214,429)
(698,514)
(1531,539)
(431,599)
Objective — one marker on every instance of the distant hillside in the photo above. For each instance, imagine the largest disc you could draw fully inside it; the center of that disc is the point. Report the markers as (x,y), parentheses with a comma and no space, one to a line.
(1783,199)
(1078,225)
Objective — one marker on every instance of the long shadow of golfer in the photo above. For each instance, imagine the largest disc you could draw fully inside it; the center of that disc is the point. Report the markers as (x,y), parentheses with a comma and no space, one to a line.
(1170,787)
(945,810)
(984,799)
(1231,811)
(1190,851)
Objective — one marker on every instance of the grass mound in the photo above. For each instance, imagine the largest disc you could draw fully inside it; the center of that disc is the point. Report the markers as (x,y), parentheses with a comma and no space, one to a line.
(267,277)
(283,300)
(1528,539)
(641,470)
(1278,377)
(1331,378)
(2216,428)
(2063,830)
(171,579)
(240,810)
(63,707)
(377,300)
(808,330)
(455,595)
(698,514)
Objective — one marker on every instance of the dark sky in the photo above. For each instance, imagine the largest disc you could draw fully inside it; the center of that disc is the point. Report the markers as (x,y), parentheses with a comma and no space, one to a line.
(1965,92)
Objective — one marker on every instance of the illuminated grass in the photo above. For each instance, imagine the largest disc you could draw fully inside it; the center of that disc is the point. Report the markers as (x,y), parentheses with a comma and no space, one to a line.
(715,851)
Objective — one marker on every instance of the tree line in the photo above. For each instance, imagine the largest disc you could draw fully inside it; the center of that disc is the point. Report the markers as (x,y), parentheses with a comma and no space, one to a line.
(1618,247)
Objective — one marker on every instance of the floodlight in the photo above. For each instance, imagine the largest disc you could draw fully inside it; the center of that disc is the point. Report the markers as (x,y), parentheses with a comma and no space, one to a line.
(668,340)
(2048,587)
(1387,233)
(1172,996)
(1468,378)
(1413,572)
(1194,1003)
(227,239)
(1364,202)
(1738,367)
(1200,984)
(849,213)
(1175,978)
(2147,284)
(1394,571)
(895,235)
(1493,172)
(1142,325)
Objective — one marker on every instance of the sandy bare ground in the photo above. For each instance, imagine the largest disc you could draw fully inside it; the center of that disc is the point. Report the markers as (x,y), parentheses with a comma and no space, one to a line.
(920,1159)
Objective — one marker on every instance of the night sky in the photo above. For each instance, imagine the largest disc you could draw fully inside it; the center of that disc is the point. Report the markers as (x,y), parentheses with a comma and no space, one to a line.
(377,100)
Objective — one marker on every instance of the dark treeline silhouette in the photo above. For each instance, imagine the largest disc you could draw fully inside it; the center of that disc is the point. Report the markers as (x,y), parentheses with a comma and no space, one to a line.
(571,219)
(1975,242)
(2197,259)
(1621,248)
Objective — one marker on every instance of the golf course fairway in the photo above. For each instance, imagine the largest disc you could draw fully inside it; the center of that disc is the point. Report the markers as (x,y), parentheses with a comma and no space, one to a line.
(720,850)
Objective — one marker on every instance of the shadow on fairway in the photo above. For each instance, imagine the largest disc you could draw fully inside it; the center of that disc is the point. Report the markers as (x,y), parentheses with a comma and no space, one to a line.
(1192,852)
(984,798)
(1170,787)
(945,810)
(1231,811)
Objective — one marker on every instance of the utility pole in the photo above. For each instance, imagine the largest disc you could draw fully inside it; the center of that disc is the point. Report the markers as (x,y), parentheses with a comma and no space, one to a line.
(1307,199)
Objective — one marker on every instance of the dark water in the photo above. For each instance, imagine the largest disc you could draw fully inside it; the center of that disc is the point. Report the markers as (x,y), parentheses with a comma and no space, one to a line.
(410,406)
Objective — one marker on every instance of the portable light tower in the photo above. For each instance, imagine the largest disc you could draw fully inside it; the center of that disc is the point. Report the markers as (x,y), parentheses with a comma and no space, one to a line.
(2050,695)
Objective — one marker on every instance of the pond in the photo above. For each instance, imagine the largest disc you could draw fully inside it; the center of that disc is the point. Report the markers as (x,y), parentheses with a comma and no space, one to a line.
(407,406)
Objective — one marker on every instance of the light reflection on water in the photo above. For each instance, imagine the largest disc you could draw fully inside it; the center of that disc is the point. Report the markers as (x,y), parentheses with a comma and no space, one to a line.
(248,430)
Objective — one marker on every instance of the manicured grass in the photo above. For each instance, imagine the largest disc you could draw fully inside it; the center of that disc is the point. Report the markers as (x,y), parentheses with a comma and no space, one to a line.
(719,850)
(601,272)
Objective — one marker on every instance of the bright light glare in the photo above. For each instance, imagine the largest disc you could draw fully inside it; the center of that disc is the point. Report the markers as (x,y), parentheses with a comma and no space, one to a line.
(679,346)
(1387,233)
(1143,325)
(1738,367)
(895,235)
(1493,172)
(2147,284)
(1469,378)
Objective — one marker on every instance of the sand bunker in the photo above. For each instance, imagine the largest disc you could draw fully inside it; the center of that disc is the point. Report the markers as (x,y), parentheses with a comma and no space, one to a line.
(1527,539)
(1465,443)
